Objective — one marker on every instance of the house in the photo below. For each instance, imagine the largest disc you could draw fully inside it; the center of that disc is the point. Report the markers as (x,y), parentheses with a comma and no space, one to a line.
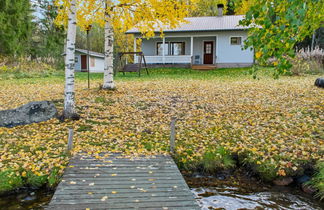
(202,41)
(96,61)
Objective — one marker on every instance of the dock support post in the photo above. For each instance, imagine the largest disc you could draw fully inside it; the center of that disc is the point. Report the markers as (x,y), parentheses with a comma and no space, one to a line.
(172,135)
(70,140)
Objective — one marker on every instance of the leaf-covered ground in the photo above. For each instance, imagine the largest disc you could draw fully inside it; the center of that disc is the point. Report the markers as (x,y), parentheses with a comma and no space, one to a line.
(274,126)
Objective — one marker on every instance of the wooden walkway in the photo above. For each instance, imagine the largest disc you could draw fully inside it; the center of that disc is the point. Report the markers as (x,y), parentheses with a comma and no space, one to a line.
(120,183)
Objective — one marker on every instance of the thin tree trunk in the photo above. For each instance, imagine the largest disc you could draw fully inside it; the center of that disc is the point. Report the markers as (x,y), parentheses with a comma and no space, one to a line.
(69,101)
(109,57)
(313,41)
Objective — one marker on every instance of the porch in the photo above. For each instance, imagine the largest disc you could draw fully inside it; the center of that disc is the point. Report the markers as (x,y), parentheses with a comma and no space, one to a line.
(196,51)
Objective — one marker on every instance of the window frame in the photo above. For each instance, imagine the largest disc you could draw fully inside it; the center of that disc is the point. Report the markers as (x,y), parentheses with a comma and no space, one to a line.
(230,40)
(183,48)
(170,50)
(157,47)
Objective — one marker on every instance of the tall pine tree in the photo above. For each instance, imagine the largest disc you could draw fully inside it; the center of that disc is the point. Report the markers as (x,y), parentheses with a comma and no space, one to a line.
(15,27)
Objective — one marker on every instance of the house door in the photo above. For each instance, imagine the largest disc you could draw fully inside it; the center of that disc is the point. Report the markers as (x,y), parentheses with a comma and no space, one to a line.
(83,62)
(208,52)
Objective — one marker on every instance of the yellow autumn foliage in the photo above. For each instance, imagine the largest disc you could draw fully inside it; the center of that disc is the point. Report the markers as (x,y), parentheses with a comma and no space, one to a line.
(126,14)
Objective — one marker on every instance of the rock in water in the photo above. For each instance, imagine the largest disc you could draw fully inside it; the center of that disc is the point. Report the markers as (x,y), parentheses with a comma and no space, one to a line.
(319,82)
(32,112)
(283,181)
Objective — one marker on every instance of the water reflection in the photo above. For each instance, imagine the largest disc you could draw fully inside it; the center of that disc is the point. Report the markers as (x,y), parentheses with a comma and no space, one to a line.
(37,199)
(231,198)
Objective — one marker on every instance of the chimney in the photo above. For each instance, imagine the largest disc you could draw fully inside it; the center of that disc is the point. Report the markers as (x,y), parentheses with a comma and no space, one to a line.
(220,8)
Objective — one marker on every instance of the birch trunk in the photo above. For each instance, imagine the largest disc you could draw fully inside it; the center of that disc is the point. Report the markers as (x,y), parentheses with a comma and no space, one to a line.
(109,57)
(69,101)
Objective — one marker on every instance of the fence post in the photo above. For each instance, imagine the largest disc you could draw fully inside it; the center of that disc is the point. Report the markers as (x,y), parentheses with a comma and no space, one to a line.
(70,140)
(172,135)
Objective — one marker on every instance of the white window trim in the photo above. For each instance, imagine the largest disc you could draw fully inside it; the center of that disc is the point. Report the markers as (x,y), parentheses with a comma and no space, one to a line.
(169,47)
(236,37)
(156,48)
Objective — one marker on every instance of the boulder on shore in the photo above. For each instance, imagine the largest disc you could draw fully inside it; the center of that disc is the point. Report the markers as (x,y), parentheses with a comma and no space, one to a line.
(32,112)
(319,82)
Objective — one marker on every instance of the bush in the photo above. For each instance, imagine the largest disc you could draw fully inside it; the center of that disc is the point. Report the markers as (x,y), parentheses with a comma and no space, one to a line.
(308,62)
(318,180)
(217,159)
(10,180)
(24,68)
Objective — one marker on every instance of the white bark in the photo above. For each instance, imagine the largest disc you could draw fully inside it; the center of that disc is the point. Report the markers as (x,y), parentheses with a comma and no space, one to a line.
(109,57)
(69,102)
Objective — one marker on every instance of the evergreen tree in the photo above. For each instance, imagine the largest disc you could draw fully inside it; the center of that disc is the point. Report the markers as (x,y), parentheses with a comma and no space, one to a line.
(48,38)
(15,26)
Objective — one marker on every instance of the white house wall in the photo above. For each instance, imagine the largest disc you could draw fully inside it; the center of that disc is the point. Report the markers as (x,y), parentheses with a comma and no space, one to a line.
(227,55)
(98,67)
(78,61)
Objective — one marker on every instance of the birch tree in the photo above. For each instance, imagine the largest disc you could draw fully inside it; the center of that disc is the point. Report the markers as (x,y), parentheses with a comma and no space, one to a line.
(69,95)
(109,52)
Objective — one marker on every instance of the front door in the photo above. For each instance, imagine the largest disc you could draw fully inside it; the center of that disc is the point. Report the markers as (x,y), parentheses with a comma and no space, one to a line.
(208,52)
(83,62)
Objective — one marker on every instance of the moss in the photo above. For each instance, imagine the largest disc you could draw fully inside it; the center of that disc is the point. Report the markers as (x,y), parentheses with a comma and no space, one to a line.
(9,180)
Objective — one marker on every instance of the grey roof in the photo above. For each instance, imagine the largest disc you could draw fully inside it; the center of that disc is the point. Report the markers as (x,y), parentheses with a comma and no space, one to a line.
(215,23)
(92,53)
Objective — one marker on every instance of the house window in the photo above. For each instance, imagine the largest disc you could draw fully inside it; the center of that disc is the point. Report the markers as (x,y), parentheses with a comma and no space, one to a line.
(92,62)
(76,59)
(236,40)
(171,48)
(177,48)
(160,48)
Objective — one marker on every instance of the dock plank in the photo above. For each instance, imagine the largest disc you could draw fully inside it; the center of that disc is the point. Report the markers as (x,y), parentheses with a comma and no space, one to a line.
(116,182)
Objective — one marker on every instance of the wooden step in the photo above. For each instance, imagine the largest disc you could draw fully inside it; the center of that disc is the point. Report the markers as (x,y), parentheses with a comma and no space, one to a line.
(203,67)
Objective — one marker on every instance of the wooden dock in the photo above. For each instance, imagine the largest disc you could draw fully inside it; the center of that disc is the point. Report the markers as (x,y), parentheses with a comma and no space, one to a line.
(122,183)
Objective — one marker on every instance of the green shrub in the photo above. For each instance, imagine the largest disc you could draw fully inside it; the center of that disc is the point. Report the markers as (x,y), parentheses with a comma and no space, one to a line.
(35,181)
(53,178)
(267,172)
(220,158)
(10,180)
(318,180)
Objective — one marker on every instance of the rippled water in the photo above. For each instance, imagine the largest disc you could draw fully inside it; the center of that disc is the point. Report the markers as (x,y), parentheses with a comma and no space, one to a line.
(243,192)
(231,198)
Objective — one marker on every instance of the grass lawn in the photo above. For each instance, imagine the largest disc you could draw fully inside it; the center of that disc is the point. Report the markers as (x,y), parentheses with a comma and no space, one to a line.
(273,126)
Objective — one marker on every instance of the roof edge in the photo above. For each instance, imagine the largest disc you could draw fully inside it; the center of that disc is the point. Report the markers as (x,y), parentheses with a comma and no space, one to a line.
(186,31)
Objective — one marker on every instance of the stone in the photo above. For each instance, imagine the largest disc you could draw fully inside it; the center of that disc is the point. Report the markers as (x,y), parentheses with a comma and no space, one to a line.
(283,181)
(308,189)
(319,82)
(32,112)
(302,179)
